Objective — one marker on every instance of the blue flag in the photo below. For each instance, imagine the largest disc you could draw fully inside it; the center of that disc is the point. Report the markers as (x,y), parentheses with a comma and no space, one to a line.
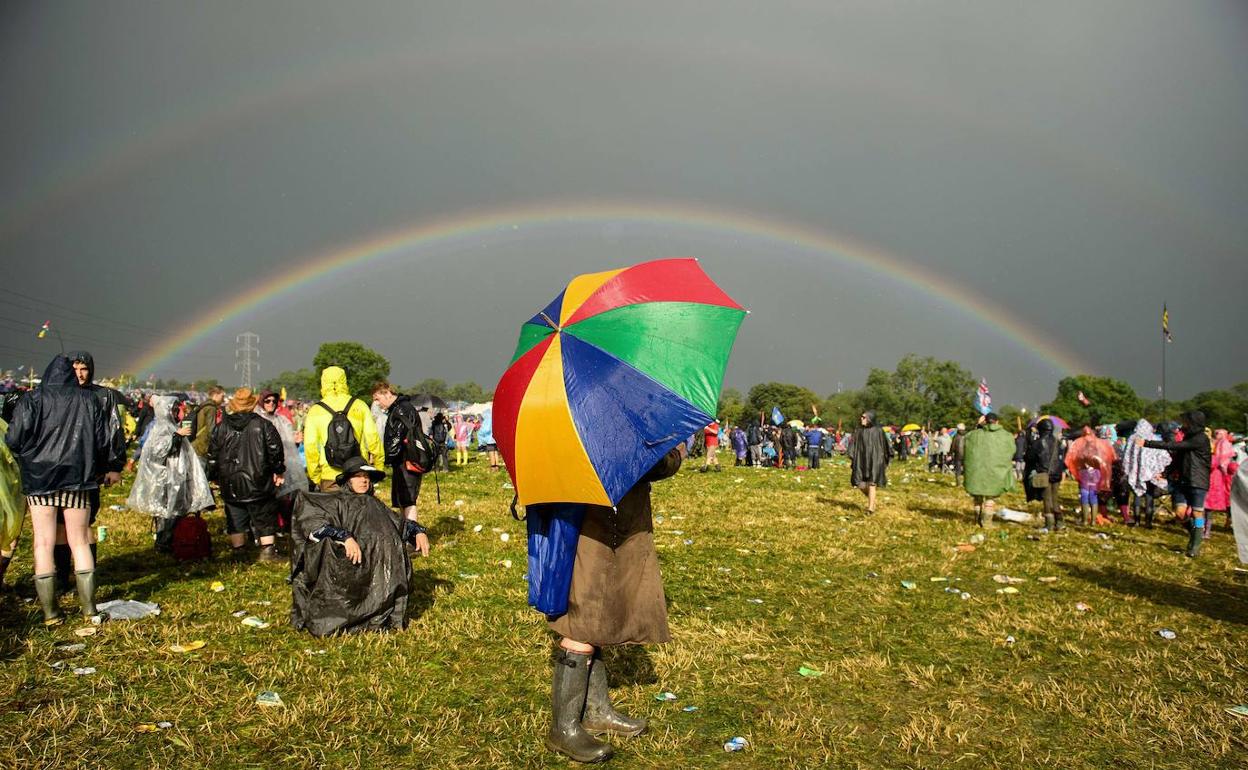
(776,417)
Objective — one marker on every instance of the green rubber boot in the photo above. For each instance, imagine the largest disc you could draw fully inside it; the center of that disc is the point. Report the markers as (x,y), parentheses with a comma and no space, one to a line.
(569,685)
(45,587)
(86,592)
(600,717)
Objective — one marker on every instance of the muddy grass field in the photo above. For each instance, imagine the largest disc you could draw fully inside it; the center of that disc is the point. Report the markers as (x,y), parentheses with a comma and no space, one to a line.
(823,637)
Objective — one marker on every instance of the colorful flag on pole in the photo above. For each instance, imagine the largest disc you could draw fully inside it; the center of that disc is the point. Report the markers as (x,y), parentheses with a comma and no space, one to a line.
(1083,399)
(43,330)
(1165,323)
(776,417)
(983,399)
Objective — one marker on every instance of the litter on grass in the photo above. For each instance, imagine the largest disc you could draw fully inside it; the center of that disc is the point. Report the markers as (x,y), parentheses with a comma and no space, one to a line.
(469,575)
(188,647)
(1017,517)
(269,698)
(505,563)
(87,631)
(736,744)
(87,671)
(128,609)
(964,548)
(1008,579)
(1240,711)
(1048,579)
(505,537)
(909,585)
(1081,607)
(251,621)
(76,647)
(216,587)
(1166,633)
(307,651)
(1009,640)
(755,601)
(478,528)
(666,697)
(810,672)
(239,613)
(939,579)
(977,538)
(688,709)
(1007,590)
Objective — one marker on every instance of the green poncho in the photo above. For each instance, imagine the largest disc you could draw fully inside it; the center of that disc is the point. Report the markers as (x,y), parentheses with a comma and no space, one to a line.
(12,503)
(989,461)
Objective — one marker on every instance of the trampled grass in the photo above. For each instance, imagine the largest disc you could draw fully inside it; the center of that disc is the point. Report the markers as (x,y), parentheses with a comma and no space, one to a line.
(766,572)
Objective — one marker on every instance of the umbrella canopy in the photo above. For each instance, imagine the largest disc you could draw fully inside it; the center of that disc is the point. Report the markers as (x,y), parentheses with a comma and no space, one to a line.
(1058,422)
(620,368)
(797,424)
(910,426)
(426,401)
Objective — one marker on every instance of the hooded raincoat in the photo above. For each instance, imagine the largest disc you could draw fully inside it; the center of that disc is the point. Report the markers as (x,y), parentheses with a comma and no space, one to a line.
(114,404)
(335,394)
(59,434)
(296,473)
(989,461)
(869,454)
(12,504)
(1043,455)
(1142,466)
(1221,474)
(1082,452)
(170,481)
(330,595)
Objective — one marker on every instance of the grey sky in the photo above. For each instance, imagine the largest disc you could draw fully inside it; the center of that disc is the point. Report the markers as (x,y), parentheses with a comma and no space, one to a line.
(1074,163)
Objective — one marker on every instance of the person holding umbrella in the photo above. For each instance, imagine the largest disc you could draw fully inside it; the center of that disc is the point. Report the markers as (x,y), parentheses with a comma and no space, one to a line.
(606,383)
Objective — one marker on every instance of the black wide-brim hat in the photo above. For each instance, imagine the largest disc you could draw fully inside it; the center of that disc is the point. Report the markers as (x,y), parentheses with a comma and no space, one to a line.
(354,466)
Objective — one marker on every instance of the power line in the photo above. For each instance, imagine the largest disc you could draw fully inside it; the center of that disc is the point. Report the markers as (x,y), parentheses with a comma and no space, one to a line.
(37,304)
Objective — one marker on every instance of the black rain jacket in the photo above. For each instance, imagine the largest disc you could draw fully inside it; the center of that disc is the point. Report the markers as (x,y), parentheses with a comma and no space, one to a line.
(1044,453)
(1193,452)
(59,434)
(110,400)
(244,453)
(400,418)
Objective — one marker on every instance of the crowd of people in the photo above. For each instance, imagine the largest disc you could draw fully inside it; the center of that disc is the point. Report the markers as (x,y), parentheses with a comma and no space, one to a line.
(308,471)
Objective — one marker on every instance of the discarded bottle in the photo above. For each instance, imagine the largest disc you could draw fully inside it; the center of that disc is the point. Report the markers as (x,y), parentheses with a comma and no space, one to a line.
(736,744)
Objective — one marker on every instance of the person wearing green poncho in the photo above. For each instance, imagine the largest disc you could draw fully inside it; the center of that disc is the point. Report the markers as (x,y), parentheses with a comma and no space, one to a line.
(989,465)
(12,504)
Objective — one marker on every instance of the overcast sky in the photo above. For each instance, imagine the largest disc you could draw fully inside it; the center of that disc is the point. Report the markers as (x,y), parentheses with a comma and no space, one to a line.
(1071,164)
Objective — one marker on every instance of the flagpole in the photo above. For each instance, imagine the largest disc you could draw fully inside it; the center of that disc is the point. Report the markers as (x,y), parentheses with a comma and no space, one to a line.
(1164,332)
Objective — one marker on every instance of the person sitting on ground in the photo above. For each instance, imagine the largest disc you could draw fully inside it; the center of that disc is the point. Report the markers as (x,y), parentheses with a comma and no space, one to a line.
(349,569)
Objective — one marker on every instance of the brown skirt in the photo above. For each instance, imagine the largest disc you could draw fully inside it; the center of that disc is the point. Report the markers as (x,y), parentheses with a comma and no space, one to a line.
(617,592)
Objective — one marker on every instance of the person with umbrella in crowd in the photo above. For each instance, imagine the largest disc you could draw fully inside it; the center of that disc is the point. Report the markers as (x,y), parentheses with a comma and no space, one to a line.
(60,437)
(869,455)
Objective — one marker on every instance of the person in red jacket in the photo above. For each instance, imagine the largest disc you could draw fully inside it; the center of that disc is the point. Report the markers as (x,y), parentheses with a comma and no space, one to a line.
(711,436)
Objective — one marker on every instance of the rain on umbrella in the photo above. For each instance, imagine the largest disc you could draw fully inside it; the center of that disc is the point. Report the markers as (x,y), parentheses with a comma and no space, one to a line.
(621,367)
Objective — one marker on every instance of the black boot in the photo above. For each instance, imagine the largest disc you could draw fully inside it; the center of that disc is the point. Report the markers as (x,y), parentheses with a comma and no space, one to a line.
(568,687)
(268,553)
(85,579)
(600,717)
(45,587)
(1193,541)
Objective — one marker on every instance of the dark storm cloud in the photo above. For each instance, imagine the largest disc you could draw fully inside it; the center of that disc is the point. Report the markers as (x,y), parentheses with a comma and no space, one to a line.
(1076,164)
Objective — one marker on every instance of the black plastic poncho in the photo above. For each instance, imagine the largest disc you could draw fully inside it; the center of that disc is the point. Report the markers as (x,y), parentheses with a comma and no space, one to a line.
(330,594)
(869,454)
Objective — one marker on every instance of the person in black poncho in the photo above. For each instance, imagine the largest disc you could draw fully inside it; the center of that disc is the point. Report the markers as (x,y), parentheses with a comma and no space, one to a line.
(349,569)
(869,454)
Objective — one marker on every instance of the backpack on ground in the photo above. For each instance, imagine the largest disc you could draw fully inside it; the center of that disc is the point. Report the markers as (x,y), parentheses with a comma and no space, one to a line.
(191,541)
(341,443)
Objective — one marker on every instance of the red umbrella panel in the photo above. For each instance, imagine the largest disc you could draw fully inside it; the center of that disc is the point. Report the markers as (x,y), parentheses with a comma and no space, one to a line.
(611,375)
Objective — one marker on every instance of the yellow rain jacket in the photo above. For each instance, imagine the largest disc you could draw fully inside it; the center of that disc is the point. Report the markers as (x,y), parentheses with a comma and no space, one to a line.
(316,427)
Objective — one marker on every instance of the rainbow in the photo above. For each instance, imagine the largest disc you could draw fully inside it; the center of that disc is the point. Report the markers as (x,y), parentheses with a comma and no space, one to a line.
(474,227)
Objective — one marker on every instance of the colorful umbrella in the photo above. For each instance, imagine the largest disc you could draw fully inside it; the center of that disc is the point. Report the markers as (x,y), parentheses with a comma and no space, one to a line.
(910,427)
(1058,422)
(621,367)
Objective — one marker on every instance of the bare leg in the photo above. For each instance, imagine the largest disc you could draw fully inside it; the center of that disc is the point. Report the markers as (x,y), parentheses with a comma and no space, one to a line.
(77,532)
(43,518)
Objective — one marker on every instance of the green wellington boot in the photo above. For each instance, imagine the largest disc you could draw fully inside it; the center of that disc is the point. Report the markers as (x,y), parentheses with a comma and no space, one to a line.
(86,592)
(600,717)
(45,587)
(1194,540)
(569,685)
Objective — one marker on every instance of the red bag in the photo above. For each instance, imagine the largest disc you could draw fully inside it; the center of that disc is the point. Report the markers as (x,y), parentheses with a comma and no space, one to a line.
(191,541)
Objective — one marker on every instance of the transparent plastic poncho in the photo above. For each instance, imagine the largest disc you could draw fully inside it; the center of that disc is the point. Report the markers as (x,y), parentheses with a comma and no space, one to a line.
(170,481)
(296,477)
